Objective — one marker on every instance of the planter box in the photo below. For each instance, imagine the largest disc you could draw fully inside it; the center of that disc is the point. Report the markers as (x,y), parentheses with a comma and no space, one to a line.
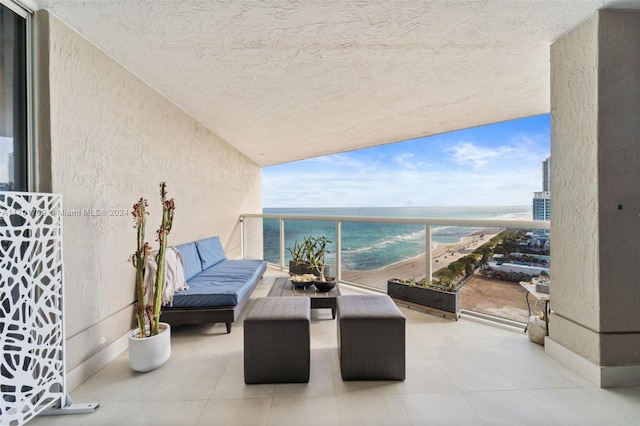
(304,268)
(428,297)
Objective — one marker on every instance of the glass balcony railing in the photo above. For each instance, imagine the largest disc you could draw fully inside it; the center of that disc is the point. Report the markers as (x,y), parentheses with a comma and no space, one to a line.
(368,251)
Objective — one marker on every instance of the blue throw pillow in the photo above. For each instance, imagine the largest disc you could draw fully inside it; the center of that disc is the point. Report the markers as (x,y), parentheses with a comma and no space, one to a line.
(191,260)
(211,252)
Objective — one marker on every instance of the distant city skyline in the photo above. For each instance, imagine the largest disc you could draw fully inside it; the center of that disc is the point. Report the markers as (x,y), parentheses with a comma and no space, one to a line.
(496,164)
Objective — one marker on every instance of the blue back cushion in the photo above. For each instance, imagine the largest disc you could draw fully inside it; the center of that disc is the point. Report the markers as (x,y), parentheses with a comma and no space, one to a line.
(191,260)
(211,252)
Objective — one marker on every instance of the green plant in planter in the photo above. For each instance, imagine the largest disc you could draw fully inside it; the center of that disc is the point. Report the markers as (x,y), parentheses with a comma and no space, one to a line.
(442,283)
(150,314)
(296,253)
(438,295)
(316,260)
(311,253)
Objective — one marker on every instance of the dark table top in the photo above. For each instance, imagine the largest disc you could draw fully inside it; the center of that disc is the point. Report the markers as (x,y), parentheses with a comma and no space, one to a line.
(283,287)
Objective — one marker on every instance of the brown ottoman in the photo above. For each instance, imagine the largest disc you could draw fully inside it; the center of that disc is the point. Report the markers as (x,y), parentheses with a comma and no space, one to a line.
(371,338)
(276,341)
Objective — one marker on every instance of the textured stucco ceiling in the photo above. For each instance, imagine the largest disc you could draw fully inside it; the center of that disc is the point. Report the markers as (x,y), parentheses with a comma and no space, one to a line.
(288,80)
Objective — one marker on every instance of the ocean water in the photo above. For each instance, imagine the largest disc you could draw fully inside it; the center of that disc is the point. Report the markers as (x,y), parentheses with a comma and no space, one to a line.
(367,246)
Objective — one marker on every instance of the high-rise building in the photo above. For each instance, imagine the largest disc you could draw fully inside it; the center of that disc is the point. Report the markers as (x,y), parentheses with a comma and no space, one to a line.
(542,205)
(546,175)
(542,199)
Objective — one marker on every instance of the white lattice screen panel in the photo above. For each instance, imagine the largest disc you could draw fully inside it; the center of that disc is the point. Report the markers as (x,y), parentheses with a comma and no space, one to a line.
(31,329)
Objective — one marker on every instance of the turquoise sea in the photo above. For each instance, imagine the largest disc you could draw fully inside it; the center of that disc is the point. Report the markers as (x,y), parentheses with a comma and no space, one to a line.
(367,246)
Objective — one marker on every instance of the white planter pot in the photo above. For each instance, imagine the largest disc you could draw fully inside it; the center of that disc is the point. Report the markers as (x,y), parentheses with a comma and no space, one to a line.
(149,353)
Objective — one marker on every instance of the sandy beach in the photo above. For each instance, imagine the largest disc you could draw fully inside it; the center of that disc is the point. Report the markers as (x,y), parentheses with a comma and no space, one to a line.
(494,297)
(415,267)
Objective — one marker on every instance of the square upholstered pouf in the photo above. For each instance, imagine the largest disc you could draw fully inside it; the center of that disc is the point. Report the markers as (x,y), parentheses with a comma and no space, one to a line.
(276,341)
(371,338)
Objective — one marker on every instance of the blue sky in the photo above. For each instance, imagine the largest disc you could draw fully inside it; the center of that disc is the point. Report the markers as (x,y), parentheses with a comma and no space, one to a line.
(494,165)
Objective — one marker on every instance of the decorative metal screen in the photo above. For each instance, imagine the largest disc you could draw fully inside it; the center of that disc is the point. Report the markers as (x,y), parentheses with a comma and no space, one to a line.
(31,328)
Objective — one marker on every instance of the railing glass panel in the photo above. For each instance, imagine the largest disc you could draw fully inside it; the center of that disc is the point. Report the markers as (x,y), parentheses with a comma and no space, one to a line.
(296,230)
(271,243)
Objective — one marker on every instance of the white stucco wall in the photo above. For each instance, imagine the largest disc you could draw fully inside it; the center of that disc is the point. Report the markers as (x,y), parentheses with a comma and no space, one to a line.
(619,171)
(574,211)
(595,99)
(114,139)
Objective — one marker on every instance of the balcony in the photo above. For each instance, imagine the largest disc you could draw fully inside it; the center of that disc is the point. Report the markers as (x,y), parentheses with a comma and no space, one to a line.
(464,372)
(470,371)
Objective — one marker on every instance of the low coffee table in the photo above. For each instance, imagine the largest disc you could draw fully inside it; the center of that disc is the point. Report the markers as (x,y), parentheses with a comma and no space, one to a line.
(319,299)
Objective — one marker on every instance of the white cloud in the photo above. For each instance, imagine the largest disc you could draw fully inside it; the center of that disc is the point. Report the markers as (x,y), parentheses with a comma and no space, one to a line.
(405,160)
(466,153)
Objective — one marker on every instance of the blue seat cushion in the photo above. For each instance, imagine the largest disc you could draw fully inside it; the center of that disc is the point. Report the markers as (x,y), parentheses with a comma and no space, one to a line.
(210,251)
(191,260)
(225,284)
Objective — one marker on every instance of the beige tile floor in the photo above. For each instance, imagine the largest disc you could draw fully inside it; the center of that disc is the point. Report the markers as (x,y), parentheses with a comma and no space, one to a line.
(458,373)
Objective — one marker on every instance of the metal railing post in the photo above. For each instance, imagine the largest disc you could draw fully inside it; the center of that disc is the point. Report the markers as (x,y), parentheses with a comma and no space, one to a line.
(338,250)
(281,243)
(427,238)
(242,253)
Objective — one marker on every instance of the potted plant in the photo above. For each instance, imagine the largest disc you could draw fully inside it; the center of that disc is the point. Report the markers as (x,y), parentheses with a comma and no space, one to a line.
(439,295)
(150,342)
(298,265)
(317,262)
(306,255)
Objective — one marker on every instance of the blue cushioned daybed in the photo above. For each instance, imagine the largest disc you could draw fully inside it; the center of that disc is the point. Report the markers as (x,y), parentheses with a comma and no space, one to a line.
(218,287)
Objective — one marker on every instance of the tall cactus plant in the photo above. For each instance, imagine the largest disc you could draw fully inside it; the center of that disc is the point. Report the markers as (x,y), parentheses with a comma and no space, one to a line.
(139,259)
(148,316)
(168,207)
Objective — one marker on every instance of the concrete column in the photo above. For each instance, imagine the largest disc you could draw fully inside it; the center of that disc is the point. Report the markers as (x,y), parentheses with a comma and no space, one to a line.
(595,214)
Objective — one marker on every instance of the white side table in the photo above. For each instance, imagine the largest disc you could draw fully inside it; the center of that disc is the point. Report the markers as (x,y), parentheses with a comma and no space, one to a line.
(541,298)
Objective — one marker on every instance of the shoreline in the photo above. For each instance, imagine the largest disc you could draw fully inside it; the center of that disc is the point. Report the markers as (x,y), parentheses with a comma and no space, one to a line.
(415,267)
